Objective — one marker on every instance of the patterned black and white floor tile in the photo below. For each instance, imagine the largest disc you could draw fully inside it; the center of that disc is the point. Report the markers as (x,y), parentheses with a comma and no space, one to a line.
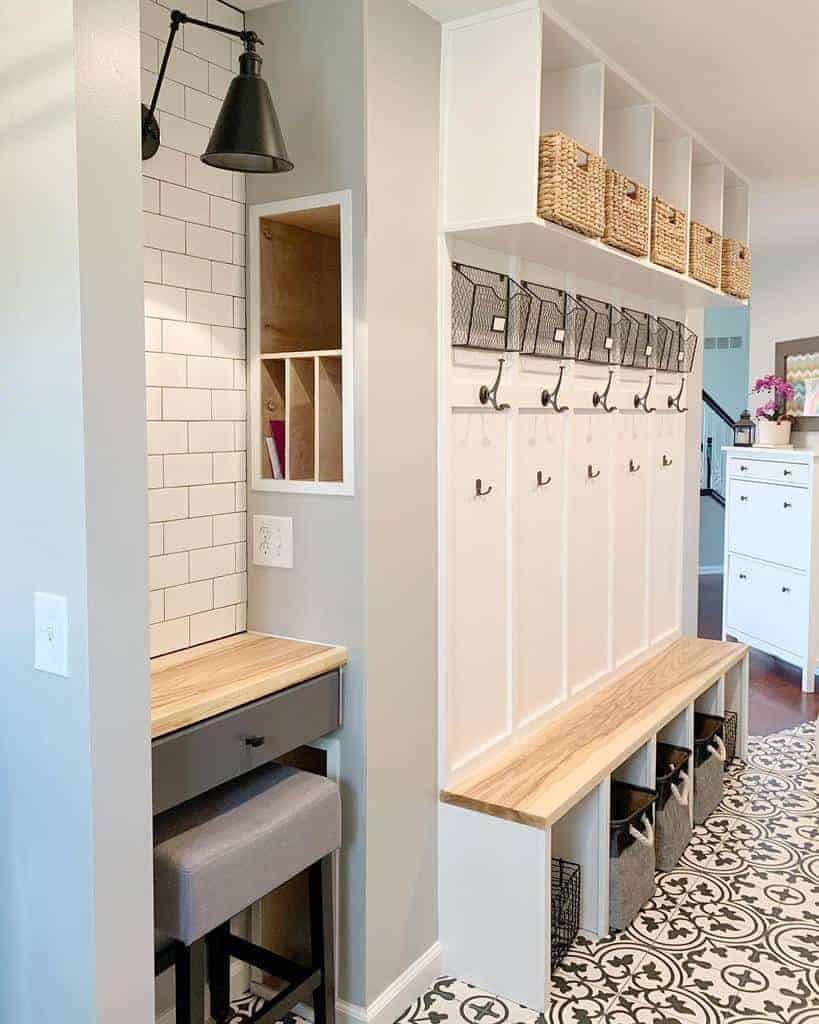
(731,936)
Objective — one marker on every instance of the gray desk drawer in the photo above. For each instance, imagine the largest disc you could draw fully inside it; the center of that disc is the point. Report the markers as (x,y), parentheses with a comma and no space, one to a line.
(199,757)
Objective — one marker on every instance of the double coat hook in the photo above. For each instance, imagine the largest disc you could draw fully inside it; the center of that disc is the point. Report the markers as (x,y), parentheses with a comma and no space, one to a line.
(490,395)
(602,399)
(641,401)
(548,398)
(674,400)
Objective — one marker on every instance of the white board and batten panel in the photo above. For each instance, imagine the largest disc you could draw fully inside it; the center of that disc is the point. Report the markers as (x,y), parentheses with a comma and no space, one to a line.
(630,552)
(666,475)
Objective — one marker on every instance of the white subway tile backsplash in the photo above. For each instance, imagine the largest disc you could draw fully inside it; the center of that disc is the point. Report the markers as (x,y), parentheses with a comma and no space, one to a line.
(163,232)
(239,187)
(153,334)
(212,437)
(212,500)
(240,374)
(164,370)
(209,45)
(212,180)
(155,474)
(228,405)
(188,599)
(184,203)
(229,342)
(152,265)
(184,135)
(218,81)
(212,625)
(221,14)
(185,271)
(168,570)
(228,279)
(154,20)
(207,372)
(200,107)
(167,437)
(241,436)
(171,95)
(150,195)
(241,617)
(241,557)
(167,503)
(228,466)
(241,496)
(188,69)
(157,608)
(208,563)
(189,534)
(155,540)
(209,243)
(149,52)
(239,256)
(186,404)
(188,339)
(153,404)
(230,529)
(239,313)
(207,308)
(164,302)
(169,636)
(224,213)
(229,589)
(186,470)
(166,165)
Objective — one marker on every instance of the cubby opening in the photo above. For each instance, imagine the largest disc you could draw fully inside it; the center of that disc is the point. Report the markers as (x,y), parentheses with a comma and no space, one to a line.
(572,89)
(273,400)
(581,836)
(627,130)
(672,163)
(679,732)
(735,208)
(638,770)
(712,702)
(301,422)
(707,185)
(330,404)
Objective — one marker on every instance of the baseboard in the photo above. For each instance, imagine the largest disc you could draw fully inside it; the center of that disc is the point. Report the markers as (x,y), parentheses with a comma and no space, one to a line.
(239,983)
(395,998)
(711,570)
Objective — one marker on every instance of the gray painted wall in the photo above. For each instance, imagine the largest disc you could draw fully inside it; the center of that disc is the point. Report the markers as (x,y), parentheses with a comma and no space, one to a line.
(75,857)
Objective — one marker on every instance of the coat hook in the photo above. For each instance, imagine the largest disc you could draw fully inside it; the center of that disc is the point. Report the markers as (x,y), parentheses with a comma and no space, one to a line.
(540,481)
(548,398)
(490,395)
(602,399)
(641,401)
(592,473)
(479,491)
(633,467)
(674,400)
(667,461)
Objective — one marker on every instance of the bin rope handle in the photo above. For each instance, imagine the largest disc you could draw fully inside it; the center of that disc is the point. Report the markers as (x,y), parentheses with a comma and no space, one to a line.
(646,839)
(681,796)
(717,748)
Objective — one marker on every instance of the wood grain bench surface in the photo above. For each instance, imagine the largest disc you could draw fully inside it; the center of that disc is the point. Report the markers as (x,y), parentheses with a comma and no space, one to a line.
(192,685)
(536,780)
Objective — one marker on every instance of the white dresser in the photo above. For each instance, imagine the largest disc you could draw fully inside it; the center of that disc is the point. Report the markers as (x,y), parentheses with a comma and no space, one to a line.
(771,554)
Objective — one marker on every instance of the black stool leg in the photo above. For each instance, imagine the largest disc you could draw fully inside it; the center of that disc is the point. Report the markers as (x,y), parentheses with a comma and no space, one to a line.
(219,971)
(320,880)
(190,984)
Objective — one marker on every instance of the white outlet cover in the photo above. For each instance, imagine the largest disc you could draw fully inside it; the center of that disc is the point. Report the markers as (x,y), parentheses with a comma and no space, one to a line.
(51,634)
(273,541)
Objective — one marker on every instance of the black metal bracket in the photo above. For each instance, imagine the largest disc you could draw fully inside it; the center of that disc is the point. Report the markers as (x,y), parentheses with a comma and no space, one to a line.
(674,400)
(602,399)
(633,467)
(490,395)
(479,491)
(540,481)
(641,401)
(591,472)
(548,398)
(666,461)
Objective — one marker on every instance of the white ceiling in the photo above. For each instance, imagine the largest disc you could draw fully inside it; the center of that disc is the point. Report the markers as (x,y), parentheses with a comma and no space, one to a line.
(745,75)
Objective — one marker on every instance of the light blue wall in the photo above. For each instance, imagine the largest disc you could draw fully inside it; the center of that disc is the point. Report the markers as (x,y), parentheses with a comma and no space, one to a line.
(725,371)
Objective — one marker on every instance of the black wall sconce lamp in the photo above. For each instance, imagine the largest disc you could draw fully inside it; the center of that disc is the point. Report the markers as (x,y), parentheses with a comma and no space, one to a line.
(246,136)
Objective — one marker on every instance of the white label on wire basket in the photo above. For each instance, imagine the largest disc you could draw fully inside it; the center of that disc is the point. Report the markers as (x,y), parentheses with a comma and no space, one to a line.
(498,324)
(648,350)
(560,334)
(680,356)
(609,343)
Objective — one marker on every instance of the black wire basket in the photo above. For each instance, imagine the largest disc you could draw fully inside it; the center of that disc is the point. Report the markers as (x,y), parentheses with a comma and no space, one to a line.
(730,736)
(598,331)
(488,309)
(639,340)
(565,907)
(550,327)
(676,346)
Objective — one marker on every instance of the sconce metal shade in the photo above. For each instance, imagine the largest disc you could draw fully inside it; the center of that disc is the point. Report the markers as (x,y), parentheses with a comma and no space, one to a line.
(247,136)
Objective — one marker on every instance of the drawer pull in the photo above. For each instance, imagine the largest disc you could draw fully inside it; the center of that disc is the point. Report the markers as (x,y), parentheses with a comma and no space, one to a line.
(787,472)
(786,590)
(254,741)
(743,497)
(743,576)
(786,504)
(743,469)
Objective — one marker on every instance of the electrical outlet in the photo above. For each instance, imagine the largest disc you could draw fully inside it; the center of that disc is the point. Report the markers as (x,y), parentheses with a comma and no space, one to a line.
(273,541)
(51,634)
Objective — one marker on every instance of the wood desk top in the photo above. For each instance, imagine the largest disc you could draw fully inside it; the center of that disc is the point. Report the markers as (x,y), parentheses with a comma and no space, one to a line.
(538,779)
(192,685)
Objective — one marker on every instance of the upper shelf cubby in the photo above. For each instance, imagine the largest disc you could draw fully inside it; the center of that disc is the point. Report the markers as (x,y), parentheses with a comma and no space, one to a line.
(513,74)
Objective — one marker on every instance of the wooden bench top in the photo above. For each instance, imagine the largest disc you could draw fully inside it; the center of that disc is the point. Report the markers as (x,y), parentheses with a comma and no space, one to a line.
(538,779)
(190,686)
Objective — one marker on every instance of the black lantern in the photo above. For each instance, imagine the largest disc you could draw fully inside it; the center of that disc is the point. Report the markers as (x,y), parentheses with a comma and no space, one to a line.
(247,136)
(744,430)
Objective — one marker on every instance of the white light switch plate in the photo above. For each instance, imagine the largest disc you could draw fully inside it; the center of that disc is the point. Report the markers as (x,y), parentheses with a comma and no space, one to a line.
(273,541)
(51,634)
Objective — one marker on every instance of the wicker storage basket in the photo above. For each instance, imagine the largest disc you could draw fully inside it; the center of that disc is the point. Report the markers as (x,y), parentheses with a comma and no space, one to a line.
(705,254)
(626,214)
(571,185)
(669,235)
(736,268)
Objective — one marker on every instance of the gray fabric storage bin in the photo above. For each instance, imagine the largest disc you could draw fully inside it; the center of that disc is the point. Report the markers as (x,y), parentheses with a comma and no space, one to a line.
(631,883)
(707,788)
(672,833)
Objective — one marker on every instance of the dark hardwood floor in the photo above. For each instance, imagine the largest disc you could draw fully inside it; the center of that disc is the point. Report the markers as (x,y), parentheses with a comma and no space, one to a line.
(776,698)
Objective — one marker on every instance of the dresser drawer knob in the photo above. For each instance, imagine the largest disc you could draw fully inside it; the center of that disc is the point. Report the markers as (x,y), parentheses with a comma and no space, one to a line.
(787,472)
(743,497)
(254,741)
(786,504)
(743,576)
(743,469)
(786,590)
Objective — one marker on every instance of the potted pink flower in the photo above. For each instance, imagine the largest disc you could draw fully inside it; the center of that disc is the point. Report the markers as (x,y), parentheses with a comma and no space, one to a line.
(773,419)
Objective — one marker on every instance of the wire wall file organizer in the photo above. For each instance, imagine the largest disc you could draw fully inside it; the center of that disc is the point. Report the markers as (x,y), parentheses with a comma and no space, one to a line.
(639,340)
(677,346)
(488,309)
(598,331)
(551,325)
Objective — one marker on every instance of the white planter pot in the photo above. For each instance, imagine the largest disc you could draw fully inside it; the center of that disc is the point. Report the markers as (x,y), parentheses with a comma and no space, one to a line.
(773,435)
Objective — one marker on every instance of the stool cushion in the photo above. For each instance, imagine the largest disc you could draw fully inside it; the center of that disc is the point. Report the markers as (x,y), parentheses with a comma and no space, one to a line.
(222,851)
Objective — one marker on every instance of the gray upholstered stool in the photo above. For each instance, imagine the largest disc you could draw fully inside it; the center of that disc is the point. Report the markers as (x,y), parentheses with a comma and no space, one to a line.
(216,855)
